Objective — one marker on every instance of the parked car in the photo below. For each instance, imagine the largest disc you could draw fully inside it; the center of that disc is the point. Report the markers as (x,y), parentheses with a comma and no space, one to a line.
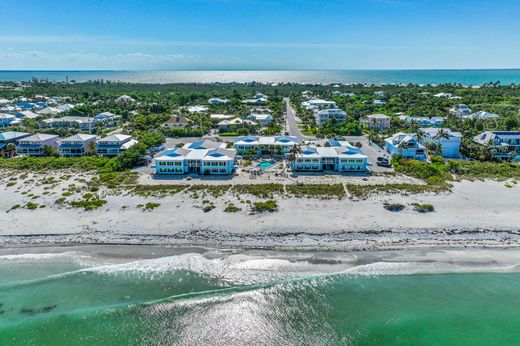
(383,161)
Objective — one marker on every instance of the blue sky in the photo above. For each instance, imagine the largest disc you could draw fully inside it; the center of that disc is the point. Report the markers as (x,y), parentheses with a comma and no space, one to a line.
(259,34)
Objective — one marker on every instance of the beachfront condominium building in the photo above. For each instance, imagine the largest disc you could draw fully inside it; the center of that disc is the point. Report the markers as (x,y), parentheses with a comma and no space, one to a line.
(77,145)
(8,141)
(113,145)
(35,145)
(336,115)
(377,121)
(448,141)
(336,156)
(504,145)
(276,146)
(201,157)
(406,145)
(318,104)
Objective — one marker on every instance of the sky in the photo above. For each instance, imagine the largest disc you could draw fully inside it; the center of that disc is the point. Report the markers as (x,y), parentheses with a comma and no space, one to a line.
(258,34)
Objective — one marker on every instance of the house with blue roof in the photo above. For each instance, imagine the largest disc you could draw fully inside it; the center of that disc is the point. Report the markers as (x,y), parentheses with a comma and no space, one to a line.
(332,156)
(503,145)
(406,145)
(275,146)
(200,157)
(6,120)
(8,141)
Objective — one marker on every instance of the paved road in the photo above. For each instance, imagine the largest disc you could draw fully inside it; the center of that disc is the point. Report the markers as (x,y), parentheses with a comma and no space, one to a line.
(292,124)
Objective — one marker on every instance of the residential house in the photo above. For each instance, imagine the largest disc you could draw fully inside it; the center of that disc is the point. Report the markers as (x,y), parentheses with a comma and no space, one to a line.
(217,101)
(481,115)
(197,109)
(443,95)
(106,118)
(262,119)
(69,123)
(77,145)
(460,111)
(6,120)
(65,107)
(27,115)
(379,103)
(8,141)
(325,115)
(377,121)
(423,121)
(379,94)
(228,124)
(318,104)
(265,145)
(449,141)
(176,122)
(49,111)
(256,101)
(503,145)
(337,156)
(407,145)
(35,145)
(115,144)
(201,157)
(125,99)
(219,117)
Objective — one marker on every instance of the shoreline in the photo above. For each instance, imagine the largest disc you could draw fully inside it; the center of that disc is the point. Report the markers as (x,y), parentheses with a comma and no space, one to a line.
(470,214)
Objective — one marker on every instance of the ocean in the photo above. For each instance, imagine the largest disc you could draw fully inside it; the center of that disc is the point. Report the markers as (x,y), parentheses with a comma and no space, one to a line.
(114,295)
(465,77)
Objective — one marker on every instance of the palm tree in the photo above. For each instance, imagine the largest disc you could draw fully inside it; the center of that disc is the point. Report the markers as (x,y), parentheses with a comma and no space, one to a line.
(294,153)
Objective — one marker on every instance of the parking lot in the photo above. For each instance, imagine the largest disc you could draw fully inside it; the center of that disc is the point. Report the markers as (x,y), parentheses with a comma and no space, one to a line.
(372,151)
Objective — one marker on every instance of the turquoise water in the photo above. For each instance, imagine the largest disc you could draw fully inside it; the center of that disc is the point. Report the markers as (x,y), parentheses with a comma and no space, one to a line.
(78,298)
(266,164)
(466,77)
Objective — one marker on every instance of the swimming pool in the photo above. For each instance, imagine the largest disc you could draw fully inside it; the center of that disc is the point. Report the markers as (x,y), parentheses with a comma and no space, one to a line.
(266,164)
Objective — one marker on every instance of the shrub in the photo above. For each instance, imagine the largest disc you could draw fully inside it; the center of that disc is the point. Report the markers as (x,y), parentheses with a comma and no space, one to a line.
(151,205)
(208,208)
(269,206)
(395,207)
(231,208)
(423,208)
(31,206)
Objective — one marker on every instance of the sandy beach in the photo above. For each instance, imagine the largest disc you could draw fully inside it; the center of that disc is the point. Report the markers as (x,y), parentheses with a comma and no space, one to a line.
(480,213)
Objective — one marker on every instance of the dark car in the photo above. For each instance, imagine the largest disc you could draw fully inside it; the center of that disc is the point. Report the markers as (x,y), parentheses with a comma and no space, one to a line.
(383,161)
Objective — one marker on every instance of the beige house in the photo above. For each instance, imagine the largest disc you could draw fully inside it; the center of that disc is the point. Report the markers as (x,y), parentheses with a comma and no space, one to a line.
(176,121)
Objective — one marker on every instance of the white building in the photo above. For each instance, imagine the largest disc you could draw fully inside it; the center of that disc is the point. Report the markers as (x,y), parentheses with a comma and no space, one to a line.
(377,121)
(201,157)
(197,109)
(265,145)
(318,104)
(325,115)
(262,119)
(448,140)
(337,156)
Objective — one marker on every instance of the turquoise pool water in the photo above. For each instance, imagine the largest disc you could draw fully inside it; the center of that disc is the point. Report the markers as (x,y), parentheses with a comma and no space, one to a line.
(266,164)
